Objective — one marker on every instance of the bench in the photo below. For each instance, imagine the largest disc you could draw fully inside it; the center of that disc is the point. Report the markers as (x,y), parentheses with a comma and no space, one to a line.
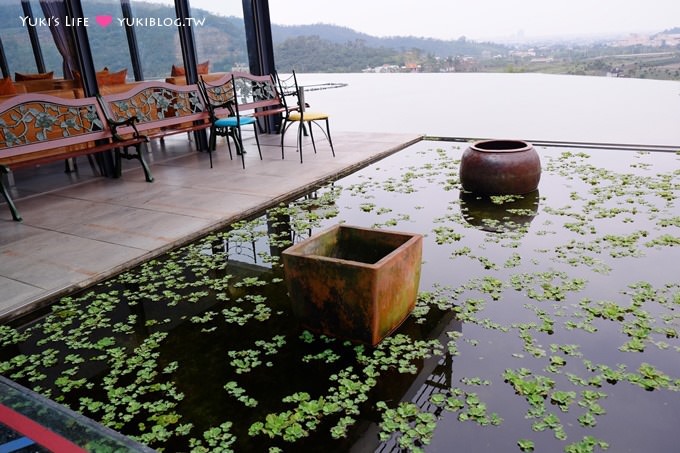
(38,128)
(159,109)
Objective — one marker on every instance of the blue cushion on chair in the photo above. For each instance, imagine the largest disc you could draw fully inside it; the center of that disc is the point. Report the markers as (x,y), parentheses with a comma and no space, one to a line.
(231,121)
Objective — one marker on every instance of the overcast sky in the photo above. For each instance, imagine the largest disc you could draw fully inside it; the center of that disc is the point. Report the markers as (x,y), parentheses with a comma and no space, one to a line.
(474,19)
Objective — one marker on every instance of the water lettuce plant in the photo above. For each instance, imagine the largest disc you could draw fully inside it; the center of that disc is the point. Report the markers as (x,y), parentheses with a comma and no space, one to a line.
(539,319)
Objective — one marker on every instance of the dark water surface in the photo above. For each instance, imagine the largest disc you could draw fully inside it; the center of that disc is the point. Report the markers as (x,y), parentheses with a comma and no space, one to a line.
(550,318)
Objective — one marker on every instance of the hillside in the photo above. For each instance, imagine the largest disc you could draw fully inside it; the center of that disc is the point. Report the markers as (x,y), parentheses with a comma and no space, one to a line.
(330,48)
(342,35)
(312,48)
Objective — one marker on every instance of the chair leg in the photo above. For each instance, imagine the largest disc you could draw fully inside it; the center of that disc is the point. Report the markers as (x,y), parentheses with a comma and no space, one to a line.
(213,138)
(257,139)
(118,163)
(5,193)
(239,145)
(142,161)
(330,141)
(311,135)
(326,132)
(228,134)
(284,127)
(93,166)
(299,139)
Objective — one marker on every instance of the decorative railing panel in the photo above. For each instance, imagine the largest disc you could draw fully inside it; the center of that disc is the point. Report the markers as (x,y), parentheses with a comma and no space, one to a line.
(156,103)
(249,91)
(41,121)
(220,94)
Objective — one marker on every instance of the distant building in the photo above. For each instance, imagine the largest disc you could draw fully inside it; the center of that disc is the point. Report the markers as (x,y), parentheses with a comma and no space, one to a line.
(384,68)
(412,67)
(529,53)
(658,40)
(240,67)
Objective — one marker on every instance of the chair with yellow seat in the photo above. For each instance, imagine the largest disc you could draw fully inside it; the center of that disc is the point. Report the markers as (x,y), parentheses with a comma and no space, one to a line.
(292,96)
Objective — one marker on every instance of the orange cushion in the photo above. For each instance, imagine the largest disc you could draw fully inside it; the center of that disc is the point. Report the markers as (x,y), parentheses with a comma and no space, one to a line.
(79,79)
(7,87)
(201,68)
(111,78)
(20,77)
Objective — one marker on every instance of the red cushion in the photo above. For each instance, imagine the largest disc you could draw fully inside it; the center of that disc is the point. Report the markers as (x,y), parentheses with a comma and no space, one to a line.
(201,68)
(111,78)
(7,87)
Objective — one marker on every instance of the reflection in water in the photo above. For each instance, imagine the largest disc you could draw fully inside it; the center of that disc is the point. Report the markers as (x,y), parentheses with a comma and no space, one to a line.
(435,375)
(498,214)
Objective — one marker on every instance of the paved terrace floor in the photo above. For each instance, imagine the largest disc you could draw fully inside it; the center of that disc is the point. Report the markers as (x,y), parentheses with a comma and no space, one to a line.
(79,229)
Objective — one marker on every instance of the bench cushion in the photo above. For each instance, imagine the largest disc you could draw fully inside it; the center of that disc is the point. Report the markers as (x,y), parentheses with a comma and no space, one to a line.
(21,77)
(7,87)
(201,68)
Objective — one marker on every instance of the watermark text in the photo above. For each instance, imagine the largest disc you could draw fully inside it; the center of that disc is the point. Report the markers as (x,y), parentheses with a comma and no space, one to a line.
(105,20)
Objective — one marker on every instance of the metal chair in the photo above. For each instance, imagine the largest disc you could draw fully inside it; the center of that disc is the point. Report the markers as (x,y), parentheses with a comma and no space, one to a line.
(292,96)
(221,97)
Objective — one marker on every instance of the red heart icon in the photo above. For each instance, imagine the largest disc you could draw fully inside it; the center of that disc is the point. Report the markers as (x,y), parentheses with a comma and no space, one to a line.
(104,21)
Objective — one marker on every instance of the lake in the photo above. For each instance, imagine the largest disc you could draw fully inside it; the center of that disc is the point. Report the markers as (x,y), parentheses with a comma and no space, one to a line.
(537,107)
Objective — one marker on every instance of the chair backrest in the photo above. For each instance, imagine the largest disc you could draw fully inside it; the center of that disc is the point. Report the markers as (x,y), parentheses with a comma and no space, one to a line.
(288,91)
(255,92)
(219,96)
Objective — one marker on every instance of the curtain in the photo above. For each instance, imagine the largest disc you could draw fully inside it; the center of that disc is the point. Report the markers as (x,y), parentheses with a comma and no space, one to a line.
(55,10)
(3,62)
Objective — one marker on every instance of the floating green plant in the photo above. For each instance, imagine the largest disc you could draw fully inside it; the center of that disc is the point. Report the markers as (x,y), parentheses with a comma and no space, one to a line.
(412,427)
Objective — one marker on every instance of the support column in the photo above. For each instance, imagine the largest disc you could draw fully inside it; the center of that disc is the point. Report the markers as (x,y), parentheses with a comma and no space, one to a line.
(259,37)
(189,58)
(3,62)
(260,48)
(33,36)
(87,72)
(82,44)
(132,40)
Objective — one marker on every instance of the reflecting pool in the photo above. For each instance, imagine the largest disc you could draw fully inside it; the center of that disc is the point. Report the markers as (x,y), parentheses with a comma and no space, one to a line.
(545,322)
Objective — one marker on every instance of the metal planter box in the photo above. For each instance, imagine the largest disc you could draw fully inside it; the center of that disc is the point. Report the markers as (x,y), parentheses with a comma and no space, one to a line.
(354,283)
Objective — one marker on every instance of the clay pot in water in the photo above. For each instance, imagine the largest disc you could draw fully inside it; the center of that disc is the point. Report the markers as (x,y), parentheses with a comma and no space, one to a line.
(500,167)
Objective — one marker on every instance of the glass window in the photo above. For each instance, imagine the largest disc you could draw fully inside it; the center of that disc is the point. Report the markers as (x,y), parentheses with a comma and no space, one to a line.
(16,43)
(107,39)
(221,40)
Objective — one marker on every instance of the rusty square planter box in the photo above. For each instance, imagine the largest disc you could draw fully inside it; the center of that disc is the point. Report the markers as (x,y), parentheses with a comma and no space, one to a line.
(354,283)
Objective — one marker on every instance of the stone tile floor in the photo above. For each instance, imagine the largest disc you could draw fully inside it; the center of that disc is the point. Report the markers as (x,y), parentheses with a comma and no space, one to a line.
(80,228)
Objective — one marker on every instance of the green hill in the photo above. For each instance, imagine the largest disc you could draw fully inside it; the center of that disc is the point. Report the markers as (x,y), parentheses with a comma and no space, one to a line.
(310,48)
